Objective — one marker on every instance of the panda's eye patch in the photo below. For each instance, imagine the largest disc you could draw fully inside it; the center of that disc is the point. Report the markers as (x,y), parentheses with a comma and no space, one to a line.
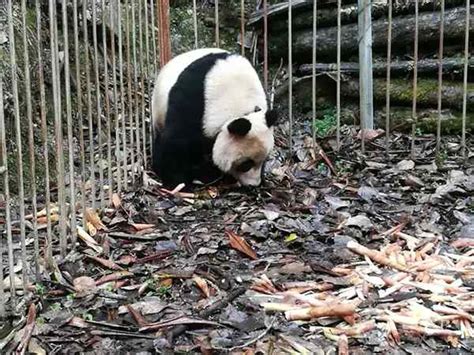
(245,166)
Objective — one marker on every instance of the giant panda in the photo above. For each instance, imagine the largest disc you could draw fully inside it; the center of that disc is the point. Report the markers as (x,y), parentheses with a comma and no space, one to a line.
(210,119)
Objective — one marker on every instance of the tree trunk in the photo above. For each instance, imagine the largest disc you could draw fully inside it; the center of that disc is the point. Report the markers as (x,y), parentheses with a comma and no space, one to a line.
(402,35)
(278,14)
(398,68)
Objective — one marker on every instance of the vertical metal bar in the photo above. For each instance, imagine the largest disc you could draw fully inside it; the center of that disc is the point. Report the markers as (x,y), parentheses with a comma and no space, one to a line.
(153,35)
(72,187)
(290,76)
(118,143)
(142,82)
(106,101)
(265,45)
(464,100)
(149,89)
(242,26)
(31,140)
(80,117)
(89,103)
(338,82)
(8,225)
(98,103)
(389,63)
(58,126)
(122,95)
(19,149)
(136,129)
(415,83)
(365,65)
(129,87)
(440,76)
(313,128)
(216,18)
(44,134)
(195,24)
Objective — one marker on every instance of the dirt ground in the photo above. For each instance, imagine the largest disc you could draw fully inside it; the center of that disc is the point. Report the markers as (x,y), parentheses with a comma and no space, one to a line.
(374,254)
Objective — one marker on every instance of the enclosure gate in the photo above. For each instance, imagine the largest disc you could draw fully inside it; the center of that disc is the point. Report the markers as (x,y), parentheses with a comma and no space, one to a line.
(78,84)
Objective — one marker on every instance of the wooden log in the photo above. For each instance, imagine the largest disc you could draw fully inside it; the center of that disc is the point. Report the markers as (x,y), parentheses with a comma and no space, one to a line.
(402,67)
(303,17)
(401,91)
(402,34)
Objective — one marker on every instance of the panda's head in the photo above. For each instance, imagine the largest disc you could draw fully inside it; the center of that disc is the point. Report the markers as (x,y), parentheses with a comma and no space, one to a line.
(243,144)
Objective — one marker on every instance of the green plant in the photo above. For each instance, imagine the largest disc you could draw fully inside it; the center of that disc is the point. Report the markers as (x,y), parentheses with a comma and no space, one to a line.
(323,126)
(40,289)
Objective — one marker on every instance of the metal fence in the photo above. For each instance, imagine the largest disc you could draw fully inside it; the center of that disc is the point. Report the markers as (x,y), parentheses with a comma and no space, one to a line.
(111,82)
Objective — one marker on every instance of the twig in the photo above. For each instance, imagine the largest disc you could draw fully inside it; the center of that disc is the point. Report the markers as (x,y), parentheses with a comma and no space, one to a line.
(329,310)
(250,342)
(175,332)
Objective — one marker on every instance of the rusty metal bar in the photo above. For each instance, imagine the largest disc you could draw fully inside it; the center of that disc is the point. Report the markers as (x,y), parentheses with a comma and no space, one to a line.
(265,45)
(79,110)
(67,84)
(106,102)
(387,93)
(466,59)
(415,83)
(98,102)
(6,191)
(44,135)
(89,104)
(290,77)
(19,147)
(440,76)
(163,9)
(31,140)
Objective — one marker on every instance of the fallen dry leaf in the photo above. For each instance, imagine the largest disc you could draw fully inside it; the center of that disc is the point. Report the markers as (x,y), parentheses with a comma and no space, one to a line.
(202,284)
(84,286)
(107,263)
(86,238)
(93,218)
(142,226)
(116,201)
(239,243)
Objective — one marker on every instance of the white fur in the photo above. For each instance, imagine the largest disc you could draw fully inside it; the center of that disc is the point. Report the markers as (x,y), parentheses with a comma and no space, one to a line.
(167,78)
(233,89)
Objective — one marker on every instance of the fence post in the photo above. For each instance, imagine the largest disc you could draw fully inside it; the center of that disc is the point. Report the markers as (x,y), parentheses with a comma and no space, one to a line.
(163,11)
(365,65)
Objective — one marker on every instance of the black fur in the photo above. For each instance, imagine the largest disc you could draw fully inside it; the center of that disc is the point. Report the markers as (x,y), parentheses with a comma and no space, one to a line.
(271,117)
(239,127)
(181,152)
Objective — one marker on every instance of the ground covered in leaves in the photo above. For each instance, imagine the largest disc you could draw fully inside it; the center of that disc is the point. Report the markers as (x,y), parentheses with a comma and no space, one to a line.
(359,253)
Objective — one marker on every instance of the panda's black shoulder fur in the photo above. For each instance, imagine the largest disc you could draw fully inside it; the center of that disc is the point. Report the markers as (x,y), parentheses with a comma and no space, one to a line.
(181,152)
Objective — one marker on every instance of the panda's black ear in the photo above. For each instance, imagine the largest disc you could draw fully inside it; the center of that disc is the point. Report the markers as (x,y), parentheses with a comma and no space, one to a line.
(239,127)
(271,117)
